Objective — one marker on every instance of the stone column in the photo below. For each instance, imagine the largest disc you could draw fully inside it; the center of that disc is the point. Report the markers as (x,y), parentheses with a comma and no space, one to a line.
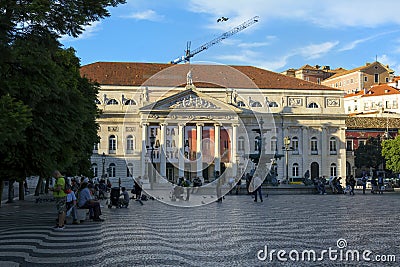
(286,172)
(324,153)
(234,150)
(341,146)
(181,149)
(305,149)
(217,156)
(199,156)
(163,158)
(144,149)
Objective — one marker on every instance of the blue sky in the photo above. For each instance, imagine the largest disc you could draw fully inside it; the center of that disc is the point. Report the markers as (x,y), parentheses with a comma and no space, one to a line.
(289,34)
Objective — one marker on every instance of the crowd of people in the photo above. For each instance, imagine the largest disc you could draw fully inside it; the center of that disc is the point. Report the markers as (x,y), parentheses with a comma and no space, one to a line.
(73,194)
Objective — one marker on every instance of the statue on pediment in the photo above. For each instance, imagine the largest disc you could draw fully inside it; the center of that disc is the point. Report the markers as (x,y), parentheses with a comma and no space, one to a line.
(189,80)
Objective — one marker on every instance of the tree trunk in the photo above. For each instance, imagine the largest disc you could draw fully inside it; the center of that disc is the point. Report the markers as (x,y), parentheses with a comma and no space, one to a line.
(21,192)
(39,187)
(1,190)
(46,190)
(10,191)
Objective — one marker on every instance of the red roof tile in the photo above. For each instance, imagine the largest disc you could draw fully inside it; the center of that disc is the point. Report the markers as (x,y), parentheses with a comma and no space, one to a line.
(206,76)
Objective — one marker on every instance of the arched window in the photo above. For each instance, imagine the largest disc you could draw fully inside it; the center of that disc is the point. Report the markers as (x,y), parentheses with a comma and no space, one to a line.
(314,146)
(256,104)
(241,143)
(112,101)
(273,104)
(129,170)
(130,144)
(130,102)
(241,104)
(333,169)
(112,170)
(332,146)
(312,105)
(95,170)
(112,144)
(97,101)
(295,170)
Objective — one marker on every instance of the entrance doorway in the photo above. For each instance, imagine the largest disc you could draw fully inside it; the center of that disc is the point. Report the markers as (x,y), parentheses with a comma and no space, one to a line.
(170,172)
(314,170)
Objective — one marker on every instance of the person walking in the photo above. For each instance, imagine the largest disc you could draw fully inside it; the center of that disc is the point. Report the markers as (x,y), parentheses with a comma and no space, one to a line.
(352,183)
(381,185)
(364,183)
(60,198)
(257,187)
(218,188)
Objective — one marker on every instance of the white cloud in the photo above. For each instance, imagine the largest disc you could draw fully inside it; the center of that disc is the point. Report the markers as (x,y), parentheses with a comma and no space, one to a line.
(355,43)
(362,13)
(148,14)
(316,50)
(89,31)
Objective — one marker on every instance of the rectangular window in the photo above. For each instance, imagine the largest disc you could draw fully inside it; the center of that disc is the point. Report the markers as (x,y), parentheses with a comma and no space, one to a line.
(314,147)
(387,79)
(319,80)
(361,142)
(351,80)
(365,79)
(376,78)
(273,145)
(395,105)
(241,144)
(349,145)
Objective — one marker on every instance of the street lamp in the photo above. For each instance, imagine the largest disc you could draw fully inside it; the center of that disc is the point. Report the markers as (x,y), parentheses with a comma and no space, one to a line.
(152,142)
(287,148)
(103,161)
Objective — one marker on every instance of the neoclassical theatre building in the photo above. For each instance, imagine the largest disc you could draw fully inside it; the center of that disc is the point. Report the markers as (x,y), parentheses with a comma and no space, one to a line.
(163,121)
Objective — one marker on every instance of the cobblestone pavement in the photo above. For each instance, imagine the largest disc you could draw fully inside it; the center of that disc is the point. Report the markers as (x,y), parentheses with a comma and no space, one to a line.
(230,233)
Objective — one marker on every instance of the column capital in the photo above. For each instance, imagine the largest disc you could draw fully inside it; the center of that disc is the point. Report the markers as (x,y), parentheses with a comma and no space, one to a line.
(164,124)
(200,124)
(144,124)
(181,124)
(235,125)
(217,125)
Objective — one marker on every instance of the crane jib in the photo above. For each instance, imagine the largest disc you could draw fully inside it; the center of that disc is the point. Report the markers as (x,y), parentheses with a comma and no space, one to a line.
(189,54)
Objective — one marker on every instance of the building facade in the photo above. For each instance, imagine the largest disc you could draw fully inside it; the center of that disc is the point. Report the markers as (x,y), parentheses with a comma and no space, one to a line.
(358,79)
(162,122)
(379,100)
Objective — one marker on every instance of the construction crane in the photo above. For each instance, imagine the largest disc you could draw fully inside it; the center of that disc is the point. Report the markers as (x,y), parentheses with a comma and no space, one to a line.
(189,54)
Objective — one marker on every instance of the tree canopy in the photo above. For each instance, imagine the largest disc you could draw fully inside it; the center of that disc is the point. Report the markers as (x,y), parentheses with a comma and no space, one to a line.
(369,154)
(49,109)
(391,152)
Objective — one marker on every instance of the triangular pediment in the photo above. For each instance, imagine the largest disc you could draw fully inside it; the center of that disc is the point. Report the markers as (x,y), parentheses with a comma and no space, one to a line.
(189,100)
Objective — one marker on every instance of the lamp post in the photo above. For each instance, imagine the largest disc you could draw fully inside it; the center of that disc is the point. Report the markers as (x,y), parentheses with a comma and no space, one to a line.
(152,142)
(287,148)
(103,161)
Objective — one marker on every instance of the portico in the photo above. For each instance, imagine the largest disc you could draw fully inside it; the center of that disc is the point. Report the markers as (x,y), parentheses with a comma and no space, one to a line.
(195,136)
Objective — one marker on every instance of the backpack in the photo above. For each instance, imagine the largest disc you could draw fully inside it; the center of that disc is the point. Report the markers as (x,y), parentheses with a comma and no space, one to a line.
(67,187)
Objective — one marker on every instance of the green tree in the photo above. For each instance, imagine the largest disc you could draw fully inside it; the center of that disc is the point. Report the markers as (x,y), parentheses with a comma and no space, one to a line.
(369,155)
(57,117)
(391,153)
